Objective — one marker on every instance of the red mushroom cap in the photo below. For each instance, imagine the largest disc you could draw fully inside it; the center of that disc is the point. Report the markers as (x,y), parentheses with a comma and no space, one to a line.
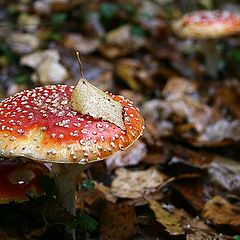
(19,180)
(207,24)
(40,124)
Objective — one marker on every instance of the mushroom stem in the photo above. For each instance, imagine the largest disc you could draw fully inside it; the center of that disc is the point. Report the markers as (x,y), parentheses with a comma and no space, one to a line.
(212,57)
(65,178)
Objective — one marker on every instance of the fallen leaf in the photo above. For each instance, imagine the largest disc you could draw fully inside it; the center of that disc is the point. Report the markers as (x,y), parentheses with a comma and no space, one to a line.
(118,222)
(228,97)
(178,87)
(156,114)
(137,74)
(225,173)
(99,192)
(119,36)
(23,43)
(192,191)
(171,222)
(130,157)
(120,42)
(106,191)
(51,72)
(141,201)
(28,23)
(136,184)
(33,60)
(178,222)
(191,158)
(193,110)
(197,229)
(220,131)
(127,70)
(201,235)
(221,212)
(79,43)
(183,99)
(158,157)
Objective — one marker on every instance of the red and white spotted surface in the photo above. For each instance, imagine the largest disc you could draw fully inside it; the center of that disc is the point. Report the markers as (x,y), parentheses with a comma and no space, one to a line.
(40,124)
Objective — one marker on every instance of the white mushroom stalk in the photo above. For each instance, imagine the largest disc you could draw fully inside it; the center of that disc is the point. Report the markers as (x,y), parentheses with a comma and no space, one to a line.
(65,178)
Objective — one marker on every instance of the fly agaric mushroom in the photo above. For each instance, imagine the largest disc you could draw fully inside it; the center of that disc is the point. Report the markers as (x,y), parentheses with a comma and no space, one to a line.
(208,25)
(20,180)
(56,124)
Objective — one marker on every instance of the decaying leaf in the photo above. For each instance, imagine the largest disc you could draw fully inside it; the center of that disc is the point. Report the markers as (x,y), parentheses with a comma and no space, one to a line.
(221,212)
(118,222)
(136,184)
(130,157)
(33,60)
(171,222)
(127,70)
(23,43)
(28,23)
(179,94)
(156,113)
(225,173)
(120,41)
(228,96)
(51,72)
(88,99)
(137,74)
(99,192)
(197,229)
(191,158)
(196,113)
(178,87)
(106,191)
(201,235)
(213,129)
(178,222)
(219,131)
(79,43)
(192,191)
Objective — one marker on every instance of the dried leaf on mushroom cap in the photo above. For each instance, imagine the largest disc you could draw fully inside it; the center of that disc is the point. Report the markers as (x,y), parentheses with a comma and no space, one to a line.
(90,100)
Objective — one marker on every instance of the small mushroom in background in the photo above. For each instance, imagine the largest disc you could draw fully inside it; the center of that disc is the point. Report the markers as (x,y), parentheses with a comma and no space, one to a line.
(208,26)
(19,180)
(68,127)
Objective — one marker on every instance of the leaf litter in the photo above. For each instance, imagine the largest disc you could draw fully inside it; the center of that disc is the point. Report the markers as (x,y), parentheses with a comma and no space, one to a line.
(185,167)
